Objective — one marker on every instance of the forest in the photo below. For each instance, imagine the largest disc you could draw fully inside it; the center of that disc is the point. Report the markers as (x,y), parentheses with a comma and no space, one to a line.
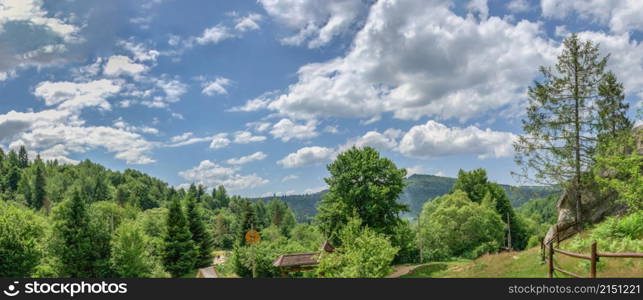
(83,220)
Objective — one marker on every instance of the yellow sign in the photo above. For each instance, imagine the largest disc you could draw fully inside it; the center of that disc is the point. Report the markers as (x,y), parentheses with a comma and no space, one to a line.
(252,237)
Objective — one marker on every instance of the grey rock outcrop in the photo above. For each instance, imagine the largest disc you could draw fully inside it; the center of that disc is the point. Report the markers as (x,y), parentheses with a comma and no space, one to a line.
(595,204)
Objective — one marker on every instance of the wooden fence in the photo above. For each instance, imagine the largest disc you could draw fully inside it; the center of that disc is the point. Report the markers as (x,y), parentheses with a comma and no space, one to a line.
(594,257)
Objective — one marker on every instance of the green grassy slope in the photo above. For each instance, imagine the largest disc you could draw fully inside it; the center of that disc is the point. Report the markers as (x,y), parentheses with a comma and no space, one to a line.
(613,235)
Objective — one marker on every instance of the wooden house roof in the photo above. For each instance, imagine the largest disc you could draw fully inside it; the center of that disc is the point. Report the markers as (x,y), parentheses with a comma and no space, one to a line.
(296,259)
(208,272)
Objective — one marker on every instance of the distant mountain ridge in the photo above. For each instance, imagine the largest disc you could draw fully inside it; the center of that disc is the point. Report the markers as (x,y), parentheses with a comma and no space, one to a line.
(419,189)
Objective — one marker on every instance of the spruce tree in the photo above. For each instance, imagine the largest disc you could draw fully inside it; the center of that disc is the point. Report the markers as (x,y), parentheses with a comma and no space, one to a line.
(23,157)
(39,184)
(72,234)
(611,109)
(11,172)
(200,235)
(558,142)
(180,251)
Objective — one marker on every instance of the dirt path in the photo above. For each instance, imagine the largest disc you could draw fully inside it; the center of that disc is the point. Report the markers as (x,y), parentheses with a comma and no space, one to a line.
(402,270)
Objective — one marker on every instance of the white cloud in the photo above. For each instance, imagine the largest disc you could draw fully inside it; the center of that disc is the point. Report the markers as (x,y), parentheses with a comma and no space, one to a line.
(247,159)
(259,126)
(247,23)
(220,141)
(253,105)
(418,58)
(245,137)
(216,86)
(140,51)
(289,178)
(286,130)
(118,65)
(331,129)
(518,6)
(435,140)
(182,137)
(626,59)
(211,174)
(315,190)
(480,7)
(417,169)
(127,146)
(121,124)
(380,141)
(214,35)
(316,22)
(620,15)
(33,37)
(308,156)
(75,96)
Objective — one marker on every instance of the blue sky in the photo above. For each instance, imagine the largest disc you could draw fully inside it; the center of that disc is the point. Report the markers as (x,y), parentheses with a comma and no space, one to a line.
(260,95)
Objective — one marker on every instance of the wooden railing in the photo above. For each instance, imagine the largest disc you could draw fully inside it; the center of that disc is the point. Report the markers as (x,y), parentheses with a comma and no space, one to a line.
(594,257)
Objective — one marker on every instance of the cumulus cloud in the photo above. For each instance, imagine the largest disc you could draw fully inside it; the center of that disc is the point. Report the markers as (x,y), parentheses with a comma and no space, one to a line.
(118,65)
(59,133)
(37,38)
(121,124)
(286,130)
(307,156)
(518,6)
(316,22)
(75,96)
(620,15)
(248,22)
(380,141)
(245,137)
(211,174)
(216,86)
(418,58)
(435,140)
(214,35)
(220,141)
(247,159)
(139,51)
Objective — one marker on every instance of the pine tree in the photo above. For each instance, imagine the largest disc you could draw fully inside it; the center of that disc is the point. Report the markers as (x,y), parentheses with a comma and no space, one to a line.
(39,184)
(558,144)
(200,235)
(23,157)
(249,218)
(73,245)
(180,251)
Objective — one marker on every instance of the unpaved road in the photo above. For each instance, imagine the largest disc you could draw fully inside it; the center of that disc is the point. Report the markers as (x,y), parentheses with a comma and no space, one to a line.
(402,270)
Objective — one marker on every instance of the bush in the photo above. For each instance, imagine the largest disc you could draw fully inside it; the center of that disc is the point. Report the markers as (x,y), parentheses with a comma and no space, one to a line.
(21,234)
(264,253)
(454,226)
(363,253)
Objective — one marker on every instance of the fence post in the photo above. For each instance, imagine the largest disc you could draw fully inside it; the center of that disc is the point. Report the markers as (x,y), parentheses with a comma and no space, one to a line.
(594,260)
(542,249)
(551,259)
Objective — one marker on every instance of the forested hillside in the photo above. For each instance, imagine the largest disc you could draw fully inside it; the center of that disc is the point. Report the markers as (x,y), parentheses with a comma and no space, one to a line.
(419,189)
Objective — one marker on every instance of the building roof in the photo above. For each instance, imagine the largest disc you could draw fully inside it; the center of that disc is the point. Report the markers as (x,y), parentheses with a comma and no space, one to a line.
(296,259)
(208,272)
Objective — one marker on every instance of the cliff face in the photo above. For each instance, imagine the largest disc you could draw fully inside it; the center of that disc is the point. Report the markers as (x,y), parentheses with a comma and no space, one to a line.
(595,205)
